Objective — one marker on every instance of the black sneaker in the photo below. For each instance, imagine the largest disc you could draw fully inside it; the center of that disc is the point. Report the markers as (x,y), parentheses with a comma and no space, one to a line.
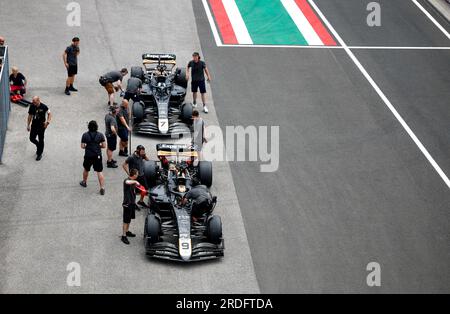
(73,89)
(114,161)
(123,154)
(83,184)
(130,234)
(102,191)
(125,240)
(111,165)
(39,157)
(67,92)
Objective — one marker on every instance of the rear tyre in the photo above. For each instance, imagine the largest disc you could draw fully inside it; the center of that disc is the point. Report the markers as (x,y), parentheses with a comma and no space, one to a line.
(186,113)
(152,229)
(205,172)
(138,112)
(214,230)
(138,72)
(180,77)
(150,172)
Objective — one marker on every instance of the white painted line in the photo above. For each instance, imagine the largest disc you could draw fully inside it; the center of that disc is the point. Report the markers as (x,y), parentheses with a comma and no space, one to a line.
(302,22)
(212,24)
(338,47)
(432,19)
(384,98)
(237,22)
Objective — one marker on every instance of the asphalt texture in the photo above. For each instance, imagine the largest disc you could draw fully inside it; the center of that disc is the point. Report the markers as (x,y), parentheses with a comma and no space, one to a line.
(46,219)
(352,187)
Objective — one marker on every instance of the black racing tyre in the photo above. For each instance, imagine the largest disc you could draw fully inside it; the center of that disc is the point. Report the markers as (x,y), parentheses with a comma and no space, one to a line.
(180,77)
(186,113)
(214,229)
(152,229)
(138,72)
(138,112)
(205,174)
(150,172)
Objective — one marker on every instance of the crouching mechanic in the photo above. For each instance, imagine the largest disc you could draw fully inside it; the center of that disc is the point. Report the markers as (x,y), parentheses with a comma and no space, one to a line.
(202,201)
(93,142)
(136,161)
(112,82)
(129,204)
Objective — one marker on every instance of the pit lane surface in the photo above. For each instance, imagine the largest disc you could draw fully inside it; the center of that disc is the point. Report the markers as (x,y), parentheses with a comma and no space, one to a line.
(47,220)
(352,187)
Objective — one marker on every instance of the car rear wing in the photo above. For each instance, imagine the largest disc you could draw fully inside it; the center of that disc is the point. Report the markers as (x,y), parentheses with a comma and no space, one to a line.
(181,150)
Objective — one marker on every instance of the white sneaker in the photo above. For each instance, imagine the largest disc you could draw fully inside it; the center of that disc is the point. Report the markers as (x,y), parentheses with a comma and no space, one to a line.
(194,105)
(205,109)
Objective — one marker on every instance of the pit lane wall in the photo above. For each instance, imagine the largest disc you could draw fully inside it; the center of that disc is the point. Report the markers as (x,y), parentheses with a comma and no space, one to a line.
(5,105)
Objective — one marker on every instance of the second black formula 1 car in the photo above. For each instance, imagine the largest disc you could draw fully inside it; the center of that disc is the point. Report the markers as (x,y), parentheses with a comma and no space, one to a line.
(161,109)
(180,224)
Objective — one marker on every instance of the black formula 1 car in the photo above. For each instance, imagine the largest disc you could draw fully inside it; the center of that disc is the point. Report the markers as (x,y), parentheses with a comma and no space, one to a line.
(161,109)
(178,227)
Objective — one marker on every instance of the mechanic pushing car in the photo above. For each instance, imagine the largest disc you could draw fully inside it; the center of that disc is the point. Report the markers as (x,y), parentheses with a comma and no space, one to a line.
(136,161)
(112,82)
(198,69)
(129,204)
(134,86)
(202,201)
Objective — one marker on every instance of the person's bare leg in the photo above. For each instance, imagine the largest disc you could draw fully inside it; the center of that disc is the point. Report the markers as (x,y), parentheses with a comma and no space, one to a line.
(68,82)
(194,97)
(125,229)
(109,154)
(203,98)
(111,99)
(85,176)
(101,179)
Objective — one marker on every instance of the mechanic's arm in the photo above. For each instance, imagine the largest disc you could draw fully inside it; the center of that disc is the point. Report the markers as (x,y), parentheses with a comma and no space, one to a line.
(103,144)
(208,75)
(126,167)
(124,122)
(131,182)
(49,118)
(113,129)
(83,145)
(188,68)
(65,59)
(30,117)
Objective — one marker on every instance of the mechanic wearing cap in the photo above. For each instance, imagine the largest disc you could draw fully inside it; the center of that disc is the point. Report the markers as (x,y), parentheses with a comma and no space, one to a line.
(134,86)
(129,204)
(123,120)
(112,82)
(199,70)
(136,161)
(70,58)
(39,117)
(92,142)
(111,135)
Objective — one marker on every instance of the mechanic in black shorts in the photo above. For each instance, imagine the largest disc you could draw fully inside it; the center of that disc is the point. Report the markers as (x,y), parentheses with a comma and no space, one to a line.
(123,121)
(92,142)
(111,135)
(134,86)
(199,70)
(70,57)
(129,204)
(136,161)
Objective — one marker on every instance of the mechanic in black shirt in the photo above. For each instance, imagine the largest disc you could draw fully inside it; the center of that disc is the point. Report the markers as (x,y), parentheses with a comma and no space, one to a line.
(136,161)
(112,82)
(129,204)
(17,81)
(199,70)
(134,86)
(70,58)
(202,201)
(92,142)
(39,117)
(123,120)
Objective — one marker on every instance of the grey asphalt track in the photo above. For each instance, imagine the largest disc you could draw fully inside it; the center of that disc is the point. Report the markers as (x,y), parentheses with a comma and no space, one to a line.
(352,187)
(46,219)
